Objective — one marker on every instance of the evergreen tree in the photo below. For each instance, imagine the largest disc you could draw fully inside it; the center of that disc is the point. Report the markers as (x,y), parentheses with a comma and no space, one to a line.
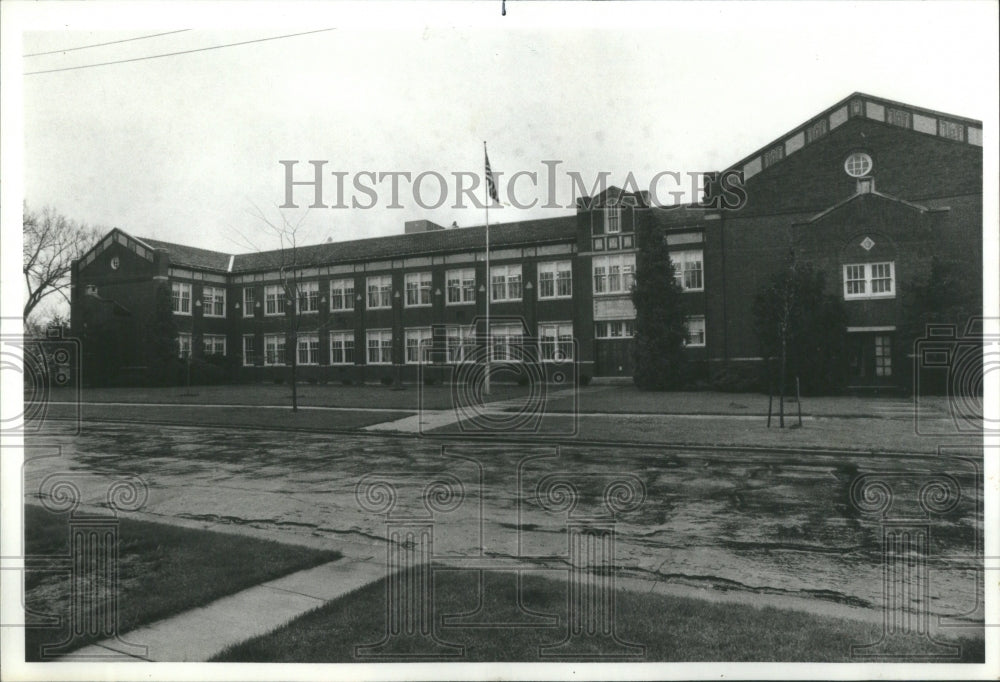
(162,338)
(660,325)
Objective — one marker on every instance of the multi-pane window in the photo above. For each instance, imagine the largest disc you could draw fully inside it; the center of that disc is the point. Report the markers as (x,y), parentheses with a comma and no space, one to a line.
(180,297)
(380,347)
(418,345)
(308,297)
(249,301)
(342,294)
(953,131)
(883,355)
(418,289)
(214,301)
(614,274)
(612,220)
(505,281)
(688,270)
(555,341)
(615,329)
(249,349)
(461,286)
(696,330)
(555,280)
(342,348)
(213,344)
(869,280)
(308,348)
(274,300)
(184,346)
(274,349)
(506,340)
(461,342)
(379,291)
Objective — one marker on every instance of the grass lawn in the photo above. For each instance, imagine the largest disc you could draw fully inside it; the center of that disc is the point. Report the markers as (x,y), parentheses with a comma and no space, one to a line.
(162,570)
(670,628)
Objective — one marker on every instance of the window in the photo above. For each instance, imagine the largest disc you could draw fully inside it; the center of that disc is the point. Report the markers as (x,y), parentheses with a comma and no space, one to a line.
(342,348)
(418,345)
(249,301)
(627,241)
(506,340)
(308,297)
(380,347)
(598,243)
(308,348)
(184,346)
(869,280)
(696,331)
(274,300)
(688,270)
(858,165)
(380,291)
(506,282)
(461,286)
(214,301)
(883,356)
(952,131)
(612,220)
(898,117)
(418,289)
(213,344)
(555,341)
(342,294)
(614,274)
(555,280)
(461,343)
(180,298)
(274,349)
(615,329)
(249,349)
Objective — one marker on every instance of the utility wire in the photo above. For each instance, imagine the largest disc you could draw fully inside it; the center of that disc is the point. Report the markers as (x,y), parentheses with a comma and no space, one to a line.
(113,42)
(174,54)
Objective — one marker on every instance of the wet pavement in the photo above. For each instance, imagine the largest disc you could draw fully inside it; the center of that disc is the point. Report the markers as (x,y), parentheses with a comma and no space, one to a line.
(806,525)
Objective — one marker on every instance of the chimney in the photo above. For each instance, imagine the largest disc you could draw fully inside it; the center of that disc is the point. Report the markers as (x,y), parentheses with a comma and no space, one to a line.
(413,226)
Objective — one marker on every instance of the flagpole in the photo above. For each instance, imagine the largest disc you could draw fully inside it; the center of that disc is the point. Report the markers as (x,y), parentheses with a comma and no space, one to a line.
(489,336)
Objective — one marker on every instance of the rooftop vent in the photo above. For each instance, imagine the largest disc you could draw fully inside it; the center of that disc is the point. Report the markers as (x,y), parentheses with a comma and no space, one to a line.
(412,226)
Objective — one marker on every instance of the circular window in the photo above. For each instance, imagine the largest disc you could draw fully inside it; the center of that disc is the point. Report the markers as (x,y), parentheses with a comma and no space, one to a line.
(858,165)
(115,262)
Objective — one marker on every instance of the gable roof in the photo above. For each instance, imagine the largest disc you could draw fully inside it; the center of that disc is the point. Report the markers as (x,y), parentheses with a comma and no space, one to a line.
(190,256)
(857,195)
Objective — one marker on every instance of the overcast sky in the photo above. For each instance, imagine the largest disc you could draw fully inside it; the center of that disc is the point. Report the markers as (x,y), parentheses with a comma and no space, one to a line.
(182,148)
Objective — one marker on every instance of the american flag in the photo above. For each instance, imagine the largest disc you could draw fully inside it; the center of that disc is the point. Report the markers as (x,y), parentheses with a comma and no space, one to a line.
(491,183)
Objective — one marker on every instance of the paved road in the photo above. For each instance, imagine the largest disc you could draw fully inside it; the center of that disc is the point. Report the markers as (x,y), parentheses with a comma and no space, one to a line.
(769,522)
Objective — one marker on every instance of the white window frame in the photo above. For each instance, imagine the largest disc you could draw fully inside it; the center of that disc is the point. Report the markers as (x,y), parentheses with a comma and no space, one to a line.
(549,274)
(275,348)
(309,293)
(869,270)
(344,343)
(511,277)
(555,338)
(466,291)
(342,294)
(419,284)
(183,345)
(460,343)
(382,285)
(213,340)
(212,304)
(311,343)
(249,302)
(696,322)
(177,293)
(275,293)
(501,344)
(613,273)
(605,329)
(613,219)
(249,358)
(424,344)
(689,265)
(383,347)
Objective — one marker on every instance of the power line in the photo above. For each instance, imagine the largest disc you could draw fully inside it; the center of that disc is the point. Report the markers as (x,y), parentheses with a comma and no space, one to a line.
(113,42)
(174,54)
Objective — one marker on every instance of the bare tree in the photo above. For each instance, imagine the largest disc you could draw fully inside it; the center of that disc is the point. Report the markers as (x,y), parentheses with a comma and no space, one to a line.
(51,243)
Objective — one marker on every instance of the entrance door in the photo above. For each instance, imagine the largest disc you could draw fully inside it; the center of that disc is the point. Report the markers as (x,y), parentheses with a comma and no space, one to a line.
(613,357)
(870,358)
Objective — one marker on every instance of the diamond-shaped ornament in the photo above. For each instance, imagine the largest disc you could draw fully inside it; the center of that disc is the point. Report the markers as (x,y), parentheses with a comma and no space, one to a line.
(867,244)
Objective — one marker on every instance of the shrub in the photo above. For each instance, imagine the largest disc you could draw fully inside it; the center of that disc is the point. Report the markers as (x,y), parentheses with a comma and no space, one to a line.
(386,381)
(430,381)
(739,378)
(522,380)
(585,380)
(346,382)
